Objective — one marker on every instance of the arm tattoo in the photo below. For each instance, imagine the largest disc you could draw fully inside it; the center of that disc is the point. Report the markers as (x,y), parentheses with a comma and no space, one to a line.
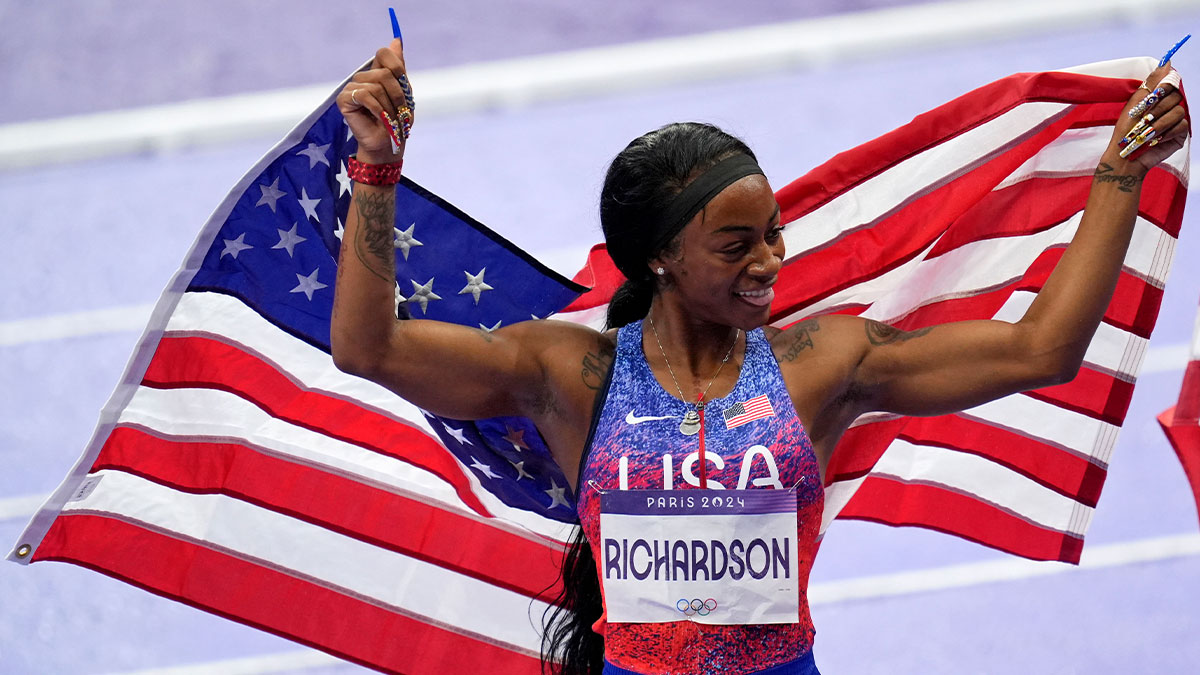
(883,334)
(1104,174)
(595,367)
(374,241)
(802,339)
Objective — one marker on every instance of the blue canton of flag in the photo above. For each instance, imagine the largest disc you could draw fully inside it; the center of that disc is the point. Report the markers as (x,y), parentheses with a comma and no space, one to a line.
(277,252)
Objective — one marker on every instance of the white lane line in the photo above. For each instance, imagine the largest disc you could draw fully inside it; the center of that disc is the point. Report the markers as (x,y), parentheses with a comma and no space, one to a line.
(74,324)
(864,588)
(795,45)
(252,665)
(1161,359)
(992,571)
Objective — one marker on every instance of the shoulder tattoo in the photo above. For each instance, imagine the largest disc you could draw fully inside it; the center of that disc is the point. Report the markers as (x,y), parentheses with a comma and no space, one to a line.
(595,366)
(801,338)
(883,334)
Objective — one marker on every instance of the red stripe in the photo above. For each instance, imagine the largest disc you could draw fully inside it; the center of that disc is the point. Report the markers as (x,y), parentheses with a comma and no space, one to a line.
(1092,393)
(342,504)
(849,169)
(891,502)
(182,362)
(1064,472)
(1184,435)
(1188,407)
(294,608)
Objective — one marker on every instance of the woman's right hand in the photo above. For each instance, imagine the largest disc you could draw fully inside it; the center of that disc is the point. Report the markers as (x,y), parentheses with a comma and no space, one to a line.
(369,93)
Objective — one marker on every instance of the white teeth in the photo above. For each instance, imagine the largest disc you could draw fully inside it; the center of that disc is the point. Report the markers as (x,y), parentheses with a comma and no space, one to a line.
(760,298)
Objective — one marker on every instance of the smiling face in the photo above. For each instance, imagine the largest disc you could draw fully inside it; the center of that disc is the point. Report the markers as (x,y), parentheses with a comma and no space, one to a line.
(728,257)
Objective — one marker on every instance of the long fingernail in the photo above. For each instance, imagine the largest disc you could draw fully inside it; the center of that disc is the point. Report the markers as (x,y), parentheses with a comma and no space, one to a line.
(1147,103)
(395,26)
(393,129)
(1138,142)
(1137,129)
(1171,52)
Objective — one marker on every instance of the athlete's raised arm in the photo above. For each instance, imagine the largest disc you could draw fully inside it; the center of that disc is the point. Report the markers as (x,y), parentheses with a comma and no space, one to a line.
(954,366)
(450,370)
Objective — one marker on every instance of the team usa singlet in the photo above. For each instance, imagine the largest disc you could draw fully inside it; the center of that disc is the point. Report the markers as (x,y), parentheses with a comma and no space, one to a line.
(754,440)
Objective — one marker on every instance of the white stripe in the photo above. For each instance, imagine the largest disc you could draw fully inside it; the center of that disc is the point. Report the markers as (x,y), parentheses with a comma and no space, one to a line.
(810,43)
(882,193)
(980,266)
(827,593)
(1048,423)
(1074,153)
(218,416)
(298,548)
(993,571)
(1112,350)
(982,479)
(227,319)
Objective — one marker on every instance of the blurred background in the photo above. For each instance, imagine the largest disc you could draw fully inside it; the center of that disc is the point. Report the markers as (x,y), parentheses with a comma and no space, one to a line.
(124,123)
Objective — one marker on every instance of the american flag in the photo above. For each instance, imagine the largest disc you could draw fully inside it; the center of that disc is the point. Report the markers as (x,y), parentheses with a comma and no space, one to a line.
(1181,422)
(747,411)
(237,470)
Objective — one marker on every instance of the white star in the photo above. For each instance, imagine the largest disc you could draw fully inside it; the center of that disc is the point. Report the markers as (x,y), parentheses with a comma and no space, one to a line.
(235,246)
(556,495)
(288,239)
(475,284)
(423,293)
(349,131)
(270,194)
(458,435)
(428,414)
(491,328)
(343,179)
(521,472)
(339,230)
(310,205)
(308,284)
(316,154)
(404,240)
(485,469)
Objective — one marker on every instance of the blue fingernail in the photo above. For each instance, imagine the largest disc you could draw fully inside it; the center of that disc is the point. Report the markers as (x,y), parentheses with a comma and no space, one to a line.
(1172,51)
(396,28)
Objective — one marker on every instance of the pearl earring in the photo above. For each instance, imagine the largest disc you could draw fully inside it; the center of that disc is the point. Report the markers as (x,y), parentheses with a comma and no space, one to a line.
(660,271)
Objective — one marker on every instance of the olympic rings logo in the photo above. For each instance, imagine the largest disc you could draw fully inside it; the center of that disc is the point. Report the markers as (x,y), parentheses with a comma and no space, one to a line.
(696,607)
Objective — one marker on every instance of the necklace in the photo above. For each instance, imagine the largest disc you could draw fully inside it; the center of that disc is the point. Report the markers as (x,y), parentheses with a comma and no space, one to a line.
(690,425)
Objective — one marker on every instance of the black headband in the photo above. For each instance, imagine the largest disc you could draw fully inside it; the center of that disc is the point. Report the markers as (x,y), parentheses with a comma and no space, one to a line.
(700,192)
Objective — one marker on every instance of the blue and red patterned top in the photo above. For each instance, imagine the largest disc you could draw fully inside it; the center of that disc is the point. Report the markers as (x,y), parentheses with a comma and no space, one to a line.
(636,444)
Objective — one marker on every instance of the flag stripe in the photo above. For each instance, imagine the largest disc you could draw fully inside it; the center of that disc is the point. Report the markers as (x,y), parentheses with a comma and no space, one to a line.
(346,626)
(218,416)
(201,362)
(1065,472)
(893,502)
(329,559)
(374,515)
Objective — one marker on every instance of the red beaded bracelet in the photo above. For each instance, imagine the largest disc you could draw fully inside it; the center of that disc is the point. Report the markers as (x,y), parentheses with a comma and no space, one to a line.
(374,174)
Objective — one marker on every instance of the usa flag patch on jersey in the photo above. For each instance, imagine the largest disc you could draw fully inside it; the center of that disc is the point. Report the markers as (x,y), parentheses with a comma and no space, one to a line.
(748,411)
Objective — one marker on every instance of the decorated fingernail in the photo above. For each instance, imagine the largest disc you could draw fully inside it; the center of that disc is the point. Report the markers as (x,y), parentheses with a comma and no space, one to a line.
(1171,52)
(1147,103)
(1146,135)
(396,26)
(393,129)
(1139,128)
(408,94)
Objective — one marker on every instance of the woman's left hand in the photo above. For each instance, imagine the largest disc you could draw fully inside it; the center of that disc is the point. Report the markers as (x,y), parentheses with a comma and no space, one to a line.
(1161,124)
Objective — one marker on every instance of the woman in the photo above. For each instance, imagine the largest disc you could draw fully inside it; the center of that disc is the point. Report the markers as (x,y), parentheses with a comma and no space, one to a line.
(692,223)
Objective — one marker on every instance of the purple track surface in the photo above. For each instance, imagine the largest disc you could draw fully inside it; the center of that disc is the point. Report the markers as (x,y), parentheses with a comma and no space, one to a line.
(110,233)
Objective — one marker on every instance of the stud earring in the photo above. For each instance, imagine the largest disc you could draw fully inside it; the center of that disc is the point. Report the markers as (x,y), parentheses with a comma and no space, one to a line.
(660,271)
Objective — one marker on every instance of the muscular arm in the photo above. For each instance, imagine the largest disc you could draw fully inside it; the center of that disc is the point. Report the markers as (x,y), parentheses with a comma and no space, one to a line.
(954,366)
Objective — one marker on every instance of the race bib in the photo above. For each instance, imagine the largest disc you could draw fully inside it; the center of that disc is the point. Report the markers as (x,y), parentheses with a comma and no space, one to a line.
(714,557)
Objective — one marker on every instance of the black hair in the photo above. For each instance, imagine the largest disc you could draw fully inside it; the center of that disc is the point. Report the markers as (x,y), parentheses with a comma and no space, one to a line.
(639,187)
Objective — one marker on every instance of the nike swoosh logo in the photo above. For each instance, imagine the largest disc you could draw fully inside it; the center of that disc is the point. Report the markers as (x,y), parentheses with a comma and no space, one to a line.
(634,419)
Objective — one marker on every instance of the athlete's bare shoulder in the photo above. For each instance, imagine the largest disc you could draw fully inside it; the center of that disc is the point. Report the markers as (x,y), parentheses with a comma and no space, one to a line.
(824,336)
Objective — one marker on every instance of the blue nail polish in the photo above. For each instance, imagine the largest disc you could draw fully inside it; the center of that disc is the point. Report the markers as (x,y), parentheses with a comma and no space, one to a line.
(1172,51)
(396,28)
